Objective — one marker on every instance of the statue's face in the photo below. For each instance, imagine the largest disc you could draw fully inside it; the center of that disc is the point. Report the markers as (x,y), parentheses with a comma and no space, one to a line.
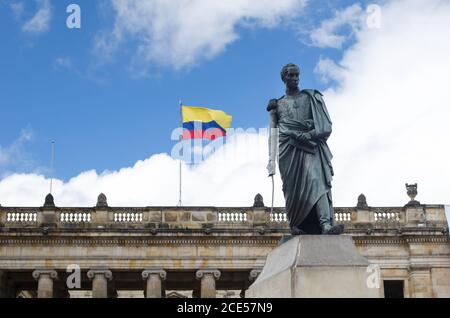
(292,78)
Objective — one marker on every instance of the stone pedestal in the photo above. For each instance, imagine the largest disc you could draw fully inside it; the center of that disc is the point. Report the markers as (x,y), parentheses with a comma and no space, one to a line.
(45,279)
(315,266)
(208,279)
(154,278)
(100,278)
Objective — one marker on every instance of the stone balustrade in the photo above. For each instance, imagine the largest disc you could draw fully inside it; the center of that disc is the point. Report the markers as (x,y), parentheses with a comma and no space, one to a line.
(212,217)
(128,217)
(157,250)
(21,217)
(75,217)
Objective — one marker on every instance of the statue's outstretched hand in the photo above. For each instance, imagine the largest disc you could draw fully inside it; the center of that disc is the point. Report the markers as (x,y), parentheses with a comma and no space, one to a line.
(271,168)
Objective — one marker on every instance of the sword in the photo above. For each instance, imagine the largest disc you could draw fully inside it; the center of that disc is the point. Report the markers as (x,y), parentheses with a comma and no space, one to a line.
(273,194)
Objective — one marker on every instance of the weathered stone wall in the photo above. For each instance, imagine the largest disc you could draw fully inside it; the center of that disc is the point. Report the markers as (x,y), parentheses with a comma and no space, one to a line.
(408,243)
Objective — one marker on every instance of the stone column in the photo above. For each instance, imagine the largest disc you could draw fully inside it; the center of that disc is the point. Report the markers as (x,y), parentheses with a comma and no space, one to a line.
(208,279)
(45,279)
(420,284)
(154,278)
(100,278)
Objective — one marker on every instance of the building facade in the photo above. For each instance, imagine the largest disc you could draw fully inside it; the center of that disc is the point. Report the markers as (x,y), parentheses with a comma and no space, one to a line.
(157,252)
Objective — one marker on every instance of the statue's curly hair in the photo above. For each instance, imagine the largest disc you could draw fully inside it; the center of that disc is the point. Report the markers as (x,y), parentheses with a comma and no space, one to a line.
(285,68)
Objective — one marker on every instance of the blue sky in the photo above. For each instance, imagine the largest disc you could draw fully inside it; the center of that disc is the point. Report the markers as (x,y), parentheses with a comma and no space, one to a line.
(108,94)
(103,117)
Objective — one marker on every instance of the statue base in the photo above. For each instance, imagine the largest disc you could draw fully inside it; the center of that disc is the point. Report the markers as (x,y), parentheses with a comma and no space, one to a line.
(315,266)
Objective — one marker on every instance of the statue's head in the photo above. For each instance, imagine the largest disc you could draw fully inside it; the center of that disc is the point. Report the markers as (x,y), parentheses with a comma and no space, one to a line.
(290,74)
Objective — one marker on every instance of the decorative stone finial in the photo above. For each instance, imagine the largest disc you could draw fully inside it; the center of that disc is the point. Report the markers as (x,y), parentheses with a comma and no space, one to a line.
(102,202)
(411,190)
(362,202)
(49,201)
(259,201)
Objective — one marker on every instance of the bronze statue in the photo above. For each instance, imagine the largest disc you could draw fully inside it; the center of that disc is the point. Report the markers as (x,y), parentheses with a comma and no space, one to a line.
(300,126)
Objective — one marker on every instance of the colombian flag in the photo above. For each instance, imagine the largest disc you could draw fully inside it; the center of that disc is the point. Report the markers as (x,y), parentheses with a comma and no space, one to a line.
(204,123)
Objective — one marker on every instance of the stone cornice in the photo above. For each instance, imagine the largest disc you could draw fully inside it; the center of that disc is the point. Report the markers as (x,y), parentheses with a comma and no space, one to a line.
(266,240)
(401,240)
(99,241)
(90,231)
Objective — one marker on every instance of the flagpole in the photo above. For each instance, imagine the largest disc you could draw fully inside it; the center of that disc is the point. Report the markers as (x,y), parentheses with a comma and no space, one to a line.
(52,166)
(180,203)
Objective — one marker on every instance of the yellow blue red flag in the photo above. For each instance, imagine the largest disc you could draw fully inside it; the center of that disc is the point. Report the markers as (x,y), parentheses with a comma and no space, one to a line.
(204,123)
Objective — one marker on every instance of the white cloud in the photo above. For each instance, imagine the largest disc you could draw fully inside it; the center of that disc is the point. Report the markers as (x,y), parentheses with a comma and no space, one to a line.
(18,9)
(40,22)
(14,154)
(180,33)
(391,125)
(4,157)
(233,175)
(328,70)
(391,107)
(63,62)
(330,33)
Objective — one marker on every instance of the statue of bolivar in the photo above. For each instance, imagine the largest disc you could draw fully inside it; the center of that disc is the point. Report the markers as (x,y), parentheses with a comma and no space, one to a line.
(299,129)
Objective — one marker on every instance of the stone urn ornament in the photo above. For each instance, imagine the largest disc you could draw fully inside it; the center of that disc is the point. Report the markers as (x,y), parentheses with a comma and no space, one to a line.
(411,190)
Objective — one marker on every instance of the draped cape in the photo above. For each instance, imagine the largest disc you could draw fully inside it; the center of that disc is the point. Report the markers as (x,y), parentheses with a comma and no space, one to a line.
(306,171)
